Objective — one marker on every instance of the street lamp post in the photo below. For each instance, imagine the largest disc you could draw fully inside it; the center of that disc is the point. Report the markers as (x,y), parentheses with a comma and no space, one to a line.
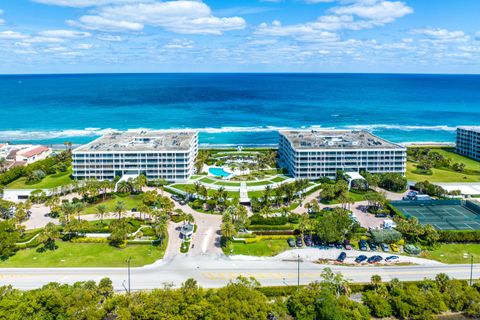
(128,264)
(298,271)
(471,269)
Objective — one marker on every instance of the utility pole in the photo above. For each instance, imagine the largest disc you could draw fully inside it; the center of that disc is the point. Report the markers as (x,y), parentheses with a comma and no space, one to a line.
(298,272)
(471,269)
(128,264)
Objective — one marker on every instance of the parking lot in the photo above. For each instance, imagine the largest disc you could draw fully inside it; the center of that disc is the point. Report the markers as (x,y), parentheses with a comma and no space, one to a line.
(330,255)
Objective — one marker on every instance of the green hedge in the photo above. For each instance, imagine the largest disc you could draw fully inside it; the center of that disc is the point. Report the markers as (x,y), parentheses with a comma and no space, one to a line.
(270,228)
(461,236)
(395,211)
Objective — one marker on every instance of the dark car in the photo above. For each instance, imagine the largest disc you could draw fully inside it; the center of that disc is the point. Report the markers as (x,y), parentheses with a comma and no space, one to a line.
(316,240)
(374,259)
(362,244)
(347,245)
(134,209)
(338,245)
(341,257)
(384,247)
(291,242)
(372,245)
(361,259)
(182,202)
(308,240)
(391,258)
(175,197)
(299,242)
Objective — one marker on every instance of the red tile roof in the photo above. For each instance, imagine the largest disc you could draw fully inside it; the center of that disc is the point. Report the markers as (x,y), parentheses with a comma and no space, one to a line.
(34,151)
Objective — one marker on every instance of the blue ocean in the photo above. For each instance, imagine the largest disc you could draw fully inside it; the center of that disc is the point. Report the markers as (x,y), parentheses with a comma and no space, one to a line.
(232,109)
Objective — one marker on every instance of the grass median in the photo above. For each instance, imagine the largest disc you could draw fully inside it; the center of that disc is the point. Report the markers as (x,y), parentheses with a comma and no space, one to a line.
(76,255)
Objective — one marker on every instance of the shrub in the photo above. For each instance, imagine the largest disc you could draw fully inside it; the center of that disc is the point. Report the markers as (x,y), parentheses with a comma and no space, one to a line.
(89,240)
(394,211)
(386,235)
(270,228)
(411,249)
(461,236)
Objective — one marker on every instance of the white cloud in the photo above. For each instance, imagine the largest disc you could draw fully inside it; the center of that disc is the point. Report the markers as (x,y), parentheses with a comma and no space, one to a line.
(318,1)
(45,40)
(179,44)
(109,37)
(186,17)
(382,12)
(85,3)
(104,24)
(477,35)
(84,46)
(12,35)
(364,14)
(64,34)
(442,35)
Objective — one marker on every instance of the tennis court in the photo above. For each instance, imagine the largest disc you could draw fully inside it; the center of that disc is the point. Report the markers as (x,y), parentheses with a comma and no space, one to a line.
(443,214)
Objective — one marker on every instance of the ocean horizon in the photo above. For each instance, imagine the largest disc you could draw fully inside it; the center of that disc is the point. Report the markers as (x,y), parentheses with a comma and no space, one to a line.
(236,108)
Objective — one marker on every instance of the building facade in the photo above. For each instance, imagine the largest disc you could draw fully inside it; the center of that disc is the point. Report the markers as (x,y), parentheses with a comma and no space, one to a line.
(312,154)
(468,142)
(168,155)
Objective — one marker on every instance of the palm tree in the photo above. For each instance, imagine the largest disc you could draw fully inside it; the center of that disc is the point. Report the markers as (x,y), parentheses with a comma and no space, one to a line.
(120,209)
(227,230)
(190,219)
(102,210)
(78,208)
(53,203)
(48,235)
(124,187)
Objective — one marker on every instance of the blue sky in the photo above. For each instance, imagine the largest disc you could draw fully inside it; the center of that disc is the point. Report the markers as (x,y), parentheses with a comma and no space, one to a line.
(418,36)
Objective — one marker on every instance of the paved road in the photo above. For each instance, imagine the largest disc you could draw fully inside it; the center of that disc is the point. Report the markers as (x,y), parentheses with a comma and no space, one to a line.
(217,270)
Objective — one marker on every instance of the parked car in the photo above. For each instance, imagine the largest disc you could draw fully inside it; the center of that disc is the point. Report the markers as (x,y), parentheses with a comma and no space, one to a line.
(134,209)
(182,202)
(341,257)
(384,247)
(374,259)
(361,258)
(299,242)
(395,247)
(176,197)
(331,245)
(338,245)
(316,240)
(291,242)
(372,245)
(362,244)
(308,240)
(391,258)
(347,245)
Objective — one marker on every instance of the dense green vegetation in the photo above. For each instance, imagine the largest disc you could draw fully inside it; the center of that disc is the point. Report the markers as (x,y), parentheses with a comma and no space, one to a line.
(243,298)
(36,172)
(49,181)
(441,165)
(68,254)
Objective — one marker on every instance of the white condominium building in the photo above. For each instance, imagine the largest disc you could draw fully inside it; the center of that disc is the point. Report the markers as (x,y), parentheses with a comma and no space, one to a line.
(166,155)
(468,141)
(314,154)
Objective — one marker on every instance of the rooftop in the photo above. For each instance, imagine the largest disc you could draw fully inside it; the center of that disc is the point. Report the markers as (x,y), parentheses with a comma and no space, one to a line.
(470,128)
(141,141)
(335,139)
(33,151)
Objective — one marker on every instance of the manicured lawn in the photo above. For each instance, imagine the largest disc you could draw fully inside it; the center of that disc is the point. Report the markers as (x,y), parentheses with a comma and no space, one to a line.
(440,175)
(455,253)
(258,183)
(356,197)
(190,187)
(84,255)
(265,248)
(132,201)
(279,179)
(50,181)
(256,194)
(228,184)
(207,180)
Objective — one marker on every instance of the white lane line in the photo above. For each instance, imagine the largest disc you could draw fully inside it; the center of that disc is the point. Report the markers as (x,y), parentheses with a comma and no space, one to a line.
(206,240)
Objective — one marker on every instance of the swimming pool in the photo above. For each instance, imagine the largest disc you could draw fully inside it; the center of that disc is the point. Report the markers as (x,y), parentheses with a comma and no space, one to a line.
(219,172)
